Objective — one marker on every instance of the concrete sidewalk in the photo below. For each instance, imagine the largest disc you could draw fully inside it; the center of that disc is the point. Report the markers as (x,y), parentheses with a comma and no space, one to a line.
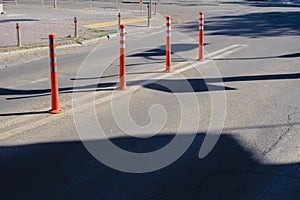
(37,22)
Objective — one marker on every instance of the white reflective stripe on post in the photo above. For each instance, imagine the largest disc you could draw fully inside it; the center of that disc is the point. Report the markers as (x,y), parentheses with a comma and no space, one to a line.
(201,27)
(201,22)
(168,26)
(122,38)
(168,32)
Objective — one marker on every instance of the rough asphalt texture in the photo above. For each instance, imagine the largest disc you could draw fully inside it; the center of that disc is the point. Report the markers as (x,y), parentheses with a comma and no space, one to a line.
(256,157)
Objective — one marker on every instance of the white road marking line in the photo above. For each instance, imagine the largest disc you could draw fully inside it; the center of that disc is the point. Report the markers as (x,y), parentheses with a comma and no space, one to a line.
(40,80)
(227,49)
(14,15)
(230,51)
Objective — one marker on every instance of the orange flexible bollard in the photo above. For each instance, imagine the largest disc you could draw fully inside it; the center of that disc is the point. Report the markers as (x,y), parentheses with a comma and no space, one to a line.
(168,45)
(201,36)
(122,80)
(53,74)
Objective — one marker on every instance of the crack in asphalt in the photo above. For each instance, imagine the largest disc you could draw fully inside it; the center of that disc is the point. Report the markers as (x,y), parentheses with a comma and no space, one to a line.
(290,125)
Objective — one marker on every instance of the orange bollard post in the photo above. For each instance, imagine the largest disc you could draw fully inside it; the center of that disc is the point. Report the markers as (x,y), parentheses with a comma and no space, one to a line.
(168,45)
(53,74)
(122,78)
(201,36)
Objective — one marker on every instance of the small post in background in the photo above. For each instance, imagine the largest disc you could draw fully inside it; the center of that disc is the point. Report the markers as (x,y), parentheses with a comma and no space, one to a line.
(18,35)
(119,20)
(55,3)
(155,7)
(76,27)
(148,7)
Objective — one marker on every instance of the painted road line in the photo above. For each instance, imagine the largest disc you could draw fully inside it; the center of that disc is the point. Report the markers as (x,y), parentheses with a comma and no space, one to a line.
(229,51)
(96,101)
(226,49)
(115,23)
(14,15)
(40,80)
(76,9)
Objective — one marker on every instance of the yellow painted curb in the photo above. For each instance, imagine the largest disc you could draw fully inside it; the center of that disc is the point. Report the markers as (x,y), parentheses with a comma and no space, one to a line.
(115,23)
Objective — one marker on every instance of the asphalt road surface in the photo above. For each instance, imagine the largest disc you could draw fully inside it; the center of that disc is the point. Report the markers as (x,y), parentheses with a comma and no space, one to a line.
(255,90)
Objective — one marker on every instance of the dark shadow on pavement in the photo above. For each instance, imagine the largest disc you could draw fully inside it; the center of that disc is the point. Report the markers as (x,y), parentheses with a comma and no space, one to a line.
(18,20)
(67,170)
(202,85)
(45,92)
(111,76)
(267,3)
(23,113)
(152,54)
(255,78)
(291,55)
(185,85)
(166,85)
(253,25)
